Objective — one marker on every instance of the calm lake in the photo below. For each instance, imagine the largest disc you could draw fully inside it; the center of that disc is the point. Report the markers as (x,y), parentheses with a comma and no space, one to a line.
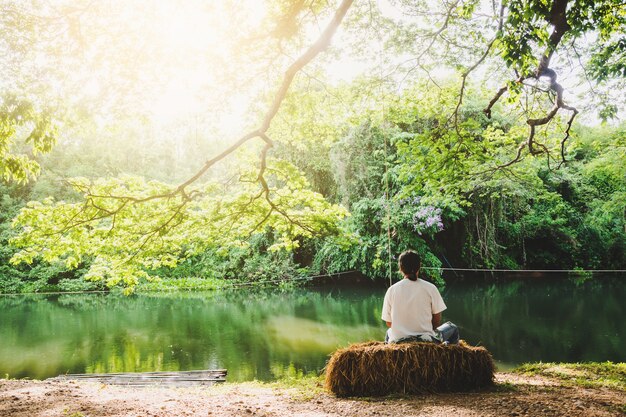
(267,335)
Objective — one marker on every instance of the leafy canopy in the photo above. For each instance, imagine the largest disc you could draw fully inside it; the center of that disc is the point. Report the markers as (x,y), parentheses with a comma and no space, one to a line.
(124,240)
(449,147)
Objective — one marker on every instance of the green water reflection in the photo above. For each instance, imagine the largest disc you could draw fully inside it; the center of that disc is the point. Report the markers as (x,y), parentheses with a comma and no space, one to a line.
(558,320)
(254,335)
(265,335)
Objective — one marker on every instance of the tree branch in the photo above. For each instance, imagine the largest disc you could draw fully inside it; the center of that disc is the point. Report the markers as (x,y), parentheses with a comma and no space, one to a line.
(433,36)
(494,100)
(558,19)
(320,45)
(475,65)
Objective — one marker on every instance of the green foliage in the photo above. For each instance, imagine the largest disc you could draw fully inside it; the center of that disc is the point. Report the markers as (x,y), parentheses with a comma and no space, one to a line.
(24,129)
(256,262)
(306,128)
(609,61)
(572,218)
(39,277)
(178,284)
(382,224)
(125,239)
(78,284)
(445,165)
(360,160)
(521,215)
(402,152)
(371,249)
(587,375)
(528,28)
(253,262)
(436,178)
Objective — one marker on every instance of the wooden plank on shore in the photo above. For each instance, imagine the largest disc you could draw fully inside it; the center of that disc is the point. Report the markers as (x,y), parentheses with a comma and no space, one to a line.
(169,378)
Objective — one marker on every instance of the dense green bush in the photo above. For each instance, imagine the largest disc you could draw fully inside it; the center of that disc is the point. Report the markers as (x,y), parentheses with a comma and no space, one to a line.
(253,262)
(38,277)
(574,218)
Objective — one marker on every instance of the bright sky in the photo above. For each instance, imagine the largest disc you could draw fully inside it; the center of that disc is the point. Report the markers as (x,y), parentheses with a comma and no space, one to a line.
(166,57)
(187,31)
(177,55)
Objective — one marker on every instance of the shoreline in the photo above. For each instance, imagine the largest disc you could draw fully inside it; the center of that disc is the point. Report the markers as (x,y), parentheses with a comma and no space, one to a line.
(529,393)
(450,276)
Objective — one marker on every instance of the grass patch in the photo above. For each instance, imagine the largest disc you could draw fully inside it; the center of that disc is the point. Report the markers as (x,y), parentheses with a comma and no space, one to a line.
(300,388)
(304,388)
(587,375)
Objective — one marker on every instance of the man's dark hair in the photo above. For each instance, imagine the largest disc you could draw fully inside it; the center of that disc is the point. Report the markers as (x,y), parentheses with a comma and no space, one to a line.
(409,263)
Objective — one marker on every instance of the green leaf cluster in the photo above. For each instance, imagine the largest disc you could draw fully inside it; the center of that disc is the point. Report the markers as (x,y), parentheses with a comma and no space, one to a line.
(124,239)
(25,132)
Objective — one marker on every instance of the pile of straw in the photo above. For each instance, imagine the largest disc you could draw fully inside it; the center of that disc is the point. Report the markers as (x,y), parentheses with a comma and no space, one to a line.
(376,368)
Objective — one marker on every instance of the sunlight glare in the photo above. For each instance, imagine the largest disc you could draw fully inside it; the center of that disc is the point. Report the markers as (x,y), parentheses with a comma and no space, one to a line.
(195,38)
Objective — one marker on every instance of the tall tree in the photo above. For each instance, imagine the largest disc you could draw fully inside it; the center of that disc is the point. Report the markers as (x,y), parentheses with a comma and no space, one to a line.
(413,40)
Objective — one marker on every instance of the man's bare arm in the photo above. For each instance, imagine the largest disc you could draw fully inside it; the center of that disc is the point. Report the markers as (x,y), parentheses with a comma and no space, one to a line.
(436,320)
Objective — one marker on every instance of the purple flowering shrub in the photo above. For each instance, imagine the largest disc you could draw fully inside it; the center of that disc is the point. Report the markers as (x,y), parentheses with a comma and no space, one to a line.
(425,219)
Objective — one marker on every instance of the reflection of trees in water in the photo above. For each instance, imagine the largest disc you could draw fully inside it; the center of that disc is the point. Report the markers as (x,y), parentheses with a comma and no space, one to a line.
(98,333)
(556,320)
(266,334)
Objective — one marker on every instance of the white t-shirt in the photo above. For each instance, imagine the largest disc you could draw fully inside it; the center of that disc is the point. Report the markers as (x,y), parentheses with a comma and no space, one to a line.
(409,306)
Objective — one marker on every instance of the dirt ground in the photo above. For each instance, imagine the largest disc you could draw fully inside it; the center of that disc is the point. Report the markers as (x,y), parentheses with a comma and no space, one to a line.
(513,395)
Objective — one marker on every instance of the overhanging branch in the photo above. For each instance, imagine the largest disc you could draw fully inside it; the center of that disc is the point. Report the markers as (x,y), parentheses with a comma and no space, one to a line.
(315,49)
(558,19)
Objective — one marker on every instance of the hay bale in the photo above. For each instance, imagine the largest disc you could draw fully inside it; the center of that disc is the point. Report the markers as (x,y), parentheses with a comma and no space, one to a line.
(376,368)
